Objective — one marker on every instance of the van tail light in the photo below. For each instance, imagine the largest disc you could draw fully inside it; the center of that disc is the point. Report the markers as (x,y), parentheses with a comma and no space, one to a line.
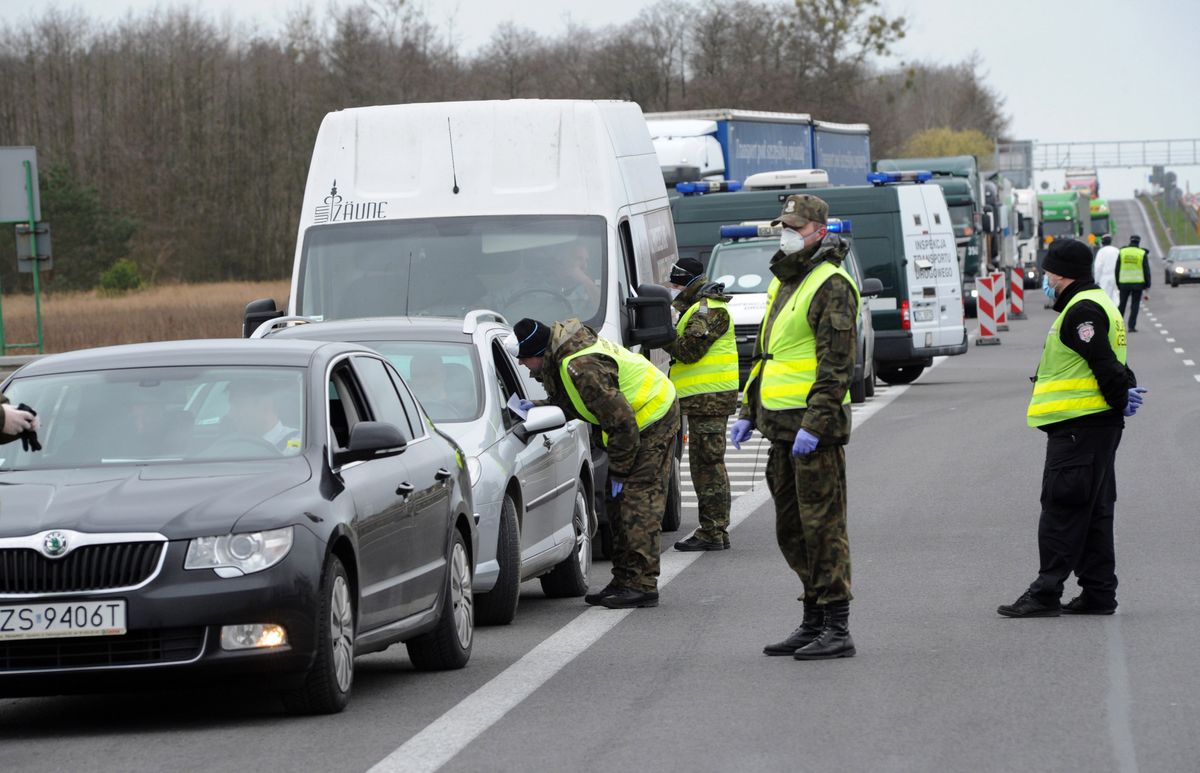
(905,319)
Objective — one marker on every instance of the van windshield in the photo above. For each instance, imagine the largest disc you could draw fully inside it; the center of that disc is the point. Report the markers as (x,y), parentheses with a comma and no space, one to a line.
(1058,228)
(743,267)
(548,267)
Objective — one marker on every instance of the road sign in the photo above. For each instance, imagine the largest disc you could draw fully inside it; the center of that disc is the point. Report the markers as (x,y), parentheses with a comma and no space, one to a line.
(14,199)
(25,248)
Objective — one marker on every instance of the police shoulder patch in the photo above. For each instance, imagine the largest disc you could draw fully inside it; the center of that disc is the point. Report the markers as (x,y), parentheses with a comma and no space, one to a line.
(1086,331)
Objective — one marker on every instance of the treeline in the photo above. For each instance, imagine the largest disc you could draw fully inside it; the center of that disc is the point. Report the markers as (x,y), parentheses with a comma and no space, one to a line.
(183,144)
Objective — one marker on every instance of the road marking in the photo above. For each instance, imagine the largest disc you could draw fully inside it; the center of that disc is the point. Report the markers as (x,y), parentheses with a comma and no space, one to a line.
(1157,324)
(1179,350)
(446,736)
(1196,376)
(1165,332)
(1189,363)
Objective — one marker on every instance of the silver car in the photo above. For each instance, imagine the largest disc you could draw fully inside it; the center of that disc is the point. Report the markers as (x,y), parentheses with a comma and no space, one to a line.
(531,480)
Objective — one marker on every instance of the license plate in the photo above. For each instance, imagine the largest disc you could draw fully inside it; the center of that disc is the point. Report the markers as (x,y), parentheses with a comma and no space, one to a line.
(923,315)
(65,619)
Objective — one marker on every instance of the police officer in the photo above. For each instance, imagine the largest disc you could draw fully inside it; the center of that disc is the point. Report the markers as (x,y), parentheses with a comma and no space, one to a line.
(634,405)
(704,370)
(1133,276)
(1082,392)
(798,396)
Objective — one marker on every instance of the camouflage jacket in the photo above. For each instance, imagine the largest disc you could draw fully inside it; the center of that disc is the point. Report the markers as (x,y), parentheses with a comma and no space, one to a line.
(833,316)
(597,378)
(702,331)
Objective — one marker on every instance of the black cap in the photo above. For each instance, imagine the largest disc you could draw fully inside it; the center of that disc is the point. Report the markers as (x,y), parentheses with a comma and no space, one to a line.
(1070,258)
(685,271)
(1106,239)
(1135,239)
(532,337)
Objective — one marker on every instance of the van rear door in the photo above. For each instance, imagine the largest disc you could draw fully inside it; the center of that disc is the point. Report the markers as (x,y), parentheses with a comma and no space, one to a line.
(934,281)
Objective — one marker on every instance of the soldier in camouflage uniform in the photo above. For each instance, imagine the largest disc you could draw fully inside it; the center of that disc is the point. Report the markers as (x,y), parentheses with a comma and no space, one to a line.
(582,375)
(707,395)
(797,397)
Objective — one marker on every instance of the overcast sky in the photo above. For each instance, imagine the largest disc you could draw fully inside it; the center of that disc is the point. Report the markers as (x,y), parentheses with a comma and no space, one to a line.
(1068,70)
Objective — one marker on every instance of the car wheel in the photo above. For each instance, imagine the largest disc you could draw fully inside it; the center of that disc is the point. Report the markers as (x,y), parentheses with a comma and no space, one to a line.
(1174,282)
(869,383)
(604,541)
(499,605)
(570,577)
(673,515)
(449,644)
(905,375)
(326,688)
(858,389)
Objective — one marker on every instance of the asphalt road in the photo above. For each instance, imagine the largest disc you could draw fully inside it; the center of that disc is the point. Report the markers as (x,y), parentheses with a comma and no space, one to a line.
(943,480)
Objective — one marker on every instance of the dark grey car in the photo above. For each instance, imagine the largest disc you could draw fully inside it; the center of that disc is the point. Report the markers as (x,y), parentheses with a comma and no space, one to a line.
(228,508)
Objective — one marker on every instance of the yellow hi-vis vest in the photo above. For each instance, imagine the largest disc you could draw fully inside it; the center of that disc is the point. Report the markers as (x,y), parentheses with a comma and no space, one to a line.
(1066,388)
(648,390)
(717,370)
(1131,271)
(788,366)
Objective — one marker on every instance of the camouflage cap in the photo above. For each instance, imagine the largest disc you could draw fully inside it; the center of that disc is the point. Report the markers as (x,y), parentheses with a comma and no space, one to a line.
(802,209)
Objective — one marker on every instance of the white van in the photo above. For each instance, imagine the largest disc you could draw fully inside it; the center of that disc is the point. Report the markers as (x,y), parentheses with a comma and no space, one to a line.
(547,209)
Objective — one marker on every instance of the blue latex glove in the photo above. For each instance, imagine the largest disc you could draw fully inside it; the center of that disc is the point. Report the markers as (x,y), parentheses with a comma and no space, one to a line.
(806,443)
(1135,401)
(740,433)
(617,486)
(525,405)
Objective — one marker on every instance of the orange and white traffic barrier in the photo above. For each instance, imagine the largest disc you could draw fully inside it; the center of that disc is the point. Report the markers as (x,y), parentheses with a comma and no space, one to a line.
(1000,300)
(1017,296)
(985,310)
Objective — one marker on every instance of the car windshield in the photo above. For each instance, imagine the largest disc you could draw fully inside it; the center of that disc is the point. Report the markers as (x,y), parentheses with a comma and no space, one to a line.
(743,267)
(1185,254)
(444,376)
(160,415)
(1058,228)
(539,266)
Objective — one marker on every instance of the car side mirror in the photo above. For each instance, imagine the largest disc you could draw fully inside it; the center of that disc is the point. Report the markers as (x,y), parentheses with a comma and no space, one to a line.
(371,440)
(871,287)
(651,316)
(540,418)
(258,312)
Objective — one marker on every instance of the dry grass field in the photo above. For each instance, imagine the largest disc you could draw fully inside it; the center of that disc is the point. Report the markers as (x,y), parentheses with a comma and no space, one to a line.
(160,313)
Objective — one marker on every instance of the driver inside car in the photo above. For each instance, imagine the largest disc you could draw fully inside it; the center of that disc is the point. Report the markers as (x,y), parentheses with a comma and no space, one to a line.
(254,409)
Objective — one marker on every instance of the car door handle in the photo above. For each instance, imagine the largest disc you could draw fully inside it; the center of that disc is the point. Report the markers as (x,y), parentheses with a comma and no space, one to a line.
(442,474)
(404,489)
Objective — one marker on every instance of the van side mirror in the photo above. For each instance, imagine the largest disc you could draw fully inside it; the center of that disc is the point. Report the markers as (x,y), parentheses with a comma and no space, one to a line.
(651,316)
(258,312)
(371,440)
(871,287)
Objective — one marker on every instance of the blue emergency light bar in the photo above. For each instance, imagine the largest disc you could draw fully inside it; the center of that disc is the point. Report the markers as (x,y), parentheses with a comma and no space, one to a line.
(762,230)
(835,226)
(713,186)
(883,178)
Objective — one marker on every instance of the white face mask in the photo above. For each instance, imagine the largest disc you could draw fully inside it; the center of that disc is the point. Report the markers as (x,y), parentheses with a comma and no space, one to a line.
(791,242)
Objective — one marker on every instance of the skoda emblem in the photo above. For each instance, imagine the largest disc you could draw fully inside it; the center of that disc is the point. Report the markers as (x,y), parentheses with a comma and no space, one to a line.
(54,545)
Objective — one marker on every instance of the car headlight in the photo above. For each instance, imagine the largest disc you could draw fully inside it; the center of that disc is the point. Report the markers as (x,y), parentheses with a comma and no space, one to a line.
(233,555)
(474,470)
(1180,270)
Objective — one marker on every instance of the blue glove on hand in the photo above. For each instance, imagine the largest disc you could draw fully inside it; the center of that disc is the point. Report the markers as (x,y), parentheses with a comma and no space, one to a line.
(806,443)
(1135,401)
(525,405)
(617,485)
(740,433)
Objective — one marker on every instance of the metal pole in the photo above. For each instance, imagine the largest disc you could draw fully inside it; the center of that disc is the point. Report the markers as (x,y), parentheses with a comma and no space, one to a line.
(37,290)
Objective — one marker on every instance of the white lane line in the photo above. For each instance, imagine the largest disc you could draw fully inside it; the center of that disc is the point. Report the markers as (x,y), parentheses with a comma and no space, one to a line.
(1179,350)
(1170,340)
(1189,363)
(1196,376)
(453,731)
(1157,324)
(1164,332)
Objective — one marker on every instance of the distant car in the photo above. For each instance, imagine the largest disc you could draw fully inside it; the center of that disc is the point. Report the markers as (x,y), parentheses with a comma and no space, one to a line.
(532,480)
(229,508)
(1182,265)
(743,266)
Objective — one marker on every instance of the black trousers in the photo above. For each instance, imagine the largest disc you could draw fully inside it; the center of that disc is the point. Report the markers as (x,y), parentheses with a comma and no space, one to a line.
(1075,532)
(1130,293)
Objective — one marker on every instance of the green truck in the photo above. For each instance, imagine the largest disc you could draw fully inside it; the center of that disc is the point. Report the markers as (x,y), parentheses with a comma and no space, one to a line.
(1102,221)
(1065,215)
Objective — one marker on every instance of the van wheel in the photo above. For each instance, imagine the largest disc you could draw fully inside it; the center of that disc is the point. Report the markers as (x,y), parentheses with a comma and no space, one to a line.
(673,515)
(905,375)
(570,577)
(499,605)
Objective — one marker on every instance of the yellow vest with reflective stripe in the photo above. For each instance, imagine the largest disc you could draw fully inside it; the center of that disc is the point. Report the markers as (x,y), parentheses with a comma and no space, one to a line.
(789,367)
(1066,388)
(717,370)
(648,390)
(1131,271)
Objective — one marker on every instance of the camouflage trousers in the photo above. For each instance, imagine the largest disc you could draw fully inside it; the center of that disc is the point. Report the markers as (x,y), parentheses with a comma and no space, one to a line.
(636,515)
(706,460)
(810,518)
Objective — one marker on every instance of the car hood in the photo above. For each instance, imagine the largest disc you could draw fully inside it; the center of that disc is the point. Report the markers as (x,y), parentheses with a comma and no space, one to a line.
(178,501)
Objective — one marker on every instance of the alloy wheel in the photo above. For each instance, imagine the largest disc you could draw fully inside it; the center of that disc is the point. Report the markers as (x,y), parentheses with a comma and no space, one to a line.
(461,599)
(341,632)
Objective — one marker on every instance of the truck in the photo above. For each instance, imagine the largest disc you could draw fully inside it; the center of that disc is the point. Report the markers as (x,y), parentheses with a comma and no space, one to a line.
(962,186)
(441,209)
(1102,221)
(1082,178)
(735,144)
(1025,202)
(1064,215)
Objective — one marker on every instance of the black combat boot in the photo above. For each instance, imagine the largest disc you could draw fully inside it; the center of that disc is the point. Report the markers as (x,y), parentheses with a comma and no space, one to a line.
(1030,605)
(607,590)
(834,640)
(628,598)
(814,619)
(695,543)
